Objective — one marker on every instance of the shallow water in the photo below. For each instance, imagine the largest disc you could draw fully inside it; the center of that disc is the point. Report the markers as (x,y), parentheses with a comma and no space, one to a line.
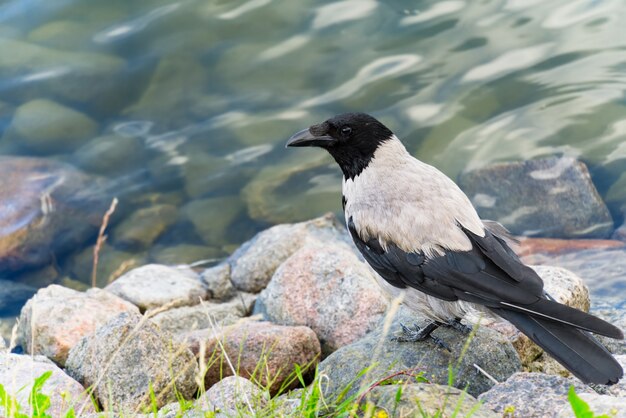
(193,100)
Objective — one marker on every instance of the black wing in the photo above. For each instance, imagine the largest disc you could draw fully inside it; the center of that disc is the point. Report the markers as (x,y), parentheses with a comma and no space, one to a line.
(489,274)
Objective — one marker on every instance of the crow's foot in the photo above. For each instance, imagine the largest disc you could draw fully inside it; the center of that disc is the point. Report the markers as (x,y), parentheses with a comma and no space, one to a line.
(458,325)
(416,333)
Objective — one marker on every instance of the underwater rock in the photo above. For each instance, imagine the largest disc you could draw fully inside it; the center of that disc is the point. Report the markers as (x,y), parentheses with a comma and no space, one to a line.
(550,197)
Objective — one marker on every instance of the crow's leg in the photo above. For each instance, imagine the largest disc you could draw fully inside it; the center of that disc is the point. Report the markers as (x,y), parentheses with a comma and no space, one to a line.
(458,325)
(420,334)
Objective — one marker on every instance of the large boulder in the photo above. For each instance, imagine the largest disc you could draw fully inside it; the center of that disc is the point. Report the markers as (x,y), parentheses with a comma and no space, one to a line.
(56,318)
(18,374)
(154,285)
(233,396)
(254,263)
(550,197)
(487,349)
(327,288)
(261,351)
(49,208)
(128,358)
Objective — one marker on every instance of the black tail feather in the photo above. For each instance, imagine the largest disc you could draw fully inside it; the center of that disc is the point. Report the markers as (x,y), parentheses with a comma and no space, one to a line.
(576,350)
(569,316)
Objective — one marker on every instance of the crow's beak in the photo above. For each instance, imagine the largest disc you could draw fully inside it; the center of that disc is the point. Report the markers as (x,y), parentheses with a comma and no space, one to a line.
(305,138)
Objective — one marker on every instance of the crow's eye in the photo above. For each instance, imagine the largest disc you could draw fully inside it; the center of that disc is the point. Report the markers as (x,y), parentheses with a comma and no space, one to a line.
(346,131)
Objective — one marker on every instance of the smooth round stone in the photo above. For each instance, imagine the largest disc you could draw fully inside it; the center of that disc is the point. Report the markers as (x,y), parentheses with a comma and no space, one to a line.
(111,155)
(142,228)
(212,217)
(47,127)
(63,34)
(184,254)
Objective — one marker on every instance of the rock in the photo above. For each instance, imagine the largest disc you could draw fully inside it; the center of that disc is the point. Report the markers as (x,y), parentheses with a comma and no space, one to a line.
(327,289)
(270,200)
(254,263)
(422,399)
(128,357)
(155,285)
(551,197)
(38,278)
(18,373)
(96,80)
(143,227)
(7,324)
(616,195)
(217,280)
(112,263)
(63,34)
(47,127)
(553,247)
(13,295)
(261,351)
(49,208)
(205,315)
(111,155)
(203,173)
(56,318)
(601,405)
(175,87)
(212,217)
(565,287)
(487,349)
(288,404)
(531,395)
(616,315)
(184,254)
(233,396)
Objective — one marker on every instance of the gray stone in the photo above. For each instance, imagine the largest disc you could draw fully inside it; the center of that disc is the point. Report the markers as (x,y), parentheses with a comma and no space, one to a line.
(204,315)
(7,324)
(233,396)
(212,217)
(327,288)
(552,197)
(204,173)
(154,285)
(90,78)
(49,208)
(110,155)
(601,405)
(18,373)
(217,280)
(487,349)
(185,254)
(616,315)
(63,34)
(422,399)
(13,295)
(128,356)
(254,263)
(56,318)
(144,226)
(47,127)
(532,395)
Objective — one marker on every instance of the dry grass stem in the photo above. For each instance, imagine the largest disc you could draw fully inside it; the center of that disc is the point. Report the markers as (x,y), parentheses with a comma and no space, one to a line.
(101,239)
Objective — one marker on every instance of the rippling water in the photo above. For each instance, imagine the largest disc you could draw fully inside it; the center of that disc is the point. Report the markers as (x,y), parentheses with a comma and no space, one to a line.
(193,100)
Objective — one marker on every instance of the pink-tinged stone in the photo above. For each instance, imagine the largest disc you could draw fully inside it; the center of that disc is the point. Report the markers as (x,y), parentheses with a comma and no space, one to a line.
(261,351)
(56,318)
(552,246)
(328,289)
(18,373)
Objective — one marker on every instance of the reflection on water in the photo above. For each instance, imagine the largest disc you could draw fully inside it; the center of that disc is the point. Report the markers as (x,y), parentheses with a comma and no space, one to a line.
(187,103)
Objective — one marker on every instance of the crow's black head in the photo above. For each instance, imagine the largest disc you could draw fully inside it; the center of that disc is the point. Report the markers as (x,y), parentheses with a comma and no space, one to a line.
(351,138)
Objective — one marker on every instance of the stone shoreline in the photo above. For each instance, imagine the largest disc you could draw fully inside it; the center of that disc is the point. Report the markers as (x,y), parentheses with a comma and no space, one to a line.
(296,296)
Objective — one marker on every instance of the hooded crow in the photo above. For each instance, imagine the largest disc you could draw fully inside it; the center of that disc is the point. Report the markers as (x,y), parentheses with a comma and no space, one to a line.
(422,235)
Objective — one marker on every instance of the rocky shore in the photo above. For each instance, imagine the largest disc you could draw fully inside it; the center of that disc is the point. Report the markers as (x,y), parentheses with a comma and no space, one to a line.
(293,313)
